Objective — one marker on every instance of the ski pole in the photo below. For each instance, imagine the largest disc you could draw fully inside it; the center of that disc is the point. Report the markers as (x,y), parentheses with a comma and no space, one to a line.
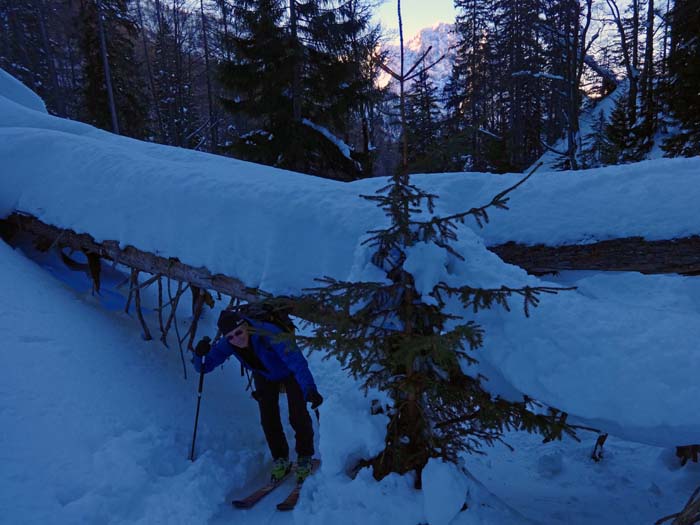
(199,402)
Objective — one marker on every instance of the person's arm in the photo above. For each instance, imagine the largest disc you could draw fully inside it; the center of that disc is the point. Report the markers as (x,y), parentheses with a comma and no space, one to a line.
(219,353)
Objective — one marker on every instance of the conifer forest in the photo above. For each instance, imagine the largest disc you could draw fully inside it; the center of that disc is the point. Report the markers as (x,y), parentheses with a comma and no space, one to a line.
(263,80)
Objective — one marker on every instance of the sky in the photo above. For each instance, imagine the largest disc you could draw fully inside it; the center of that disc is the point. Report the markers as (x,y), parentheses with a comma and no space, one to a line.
(416,14)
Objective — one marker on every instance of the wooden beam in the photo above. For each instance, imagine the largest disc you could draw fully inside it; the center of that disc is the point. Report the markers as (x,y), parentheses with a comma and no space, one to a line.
(630,254)
(131,256)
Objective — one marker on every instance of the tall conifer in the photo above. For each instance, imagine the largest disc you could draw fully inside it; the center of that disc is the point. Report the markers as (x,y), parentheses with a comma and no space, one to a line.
(296,76)
(423,126)
(470,91)
(128,88)
(684,82)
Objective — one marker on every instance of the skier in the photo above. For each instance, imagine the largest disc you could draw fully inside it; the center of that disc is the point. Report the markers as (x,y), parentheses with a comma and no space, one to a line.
(277,365)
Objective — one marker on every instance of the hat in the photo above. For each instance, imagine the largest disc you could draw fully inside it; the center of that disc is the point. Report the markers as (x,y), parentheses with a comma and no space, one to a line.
(229,320)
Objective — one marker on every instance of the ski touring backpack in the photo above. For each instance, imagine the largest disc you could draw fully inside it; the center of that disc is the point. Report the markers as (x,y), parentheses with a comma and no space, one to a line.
(277,314)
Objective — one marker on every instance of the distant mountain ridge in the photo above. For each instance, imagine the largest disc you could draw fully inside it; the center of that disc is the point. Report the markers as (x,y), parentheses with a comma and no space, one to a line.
(443,41)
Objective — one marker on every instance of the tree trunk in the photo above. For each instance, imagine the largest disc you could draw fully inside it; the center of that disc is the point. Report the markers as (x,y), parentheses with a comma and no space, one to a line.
(130,256)
(629,60)
(631,254)
(151,81)
(105,65)
(648,109)
(402,99)
(296,76)
(179,99)
(664,51)
(224,22)
(56,92)
(212,121)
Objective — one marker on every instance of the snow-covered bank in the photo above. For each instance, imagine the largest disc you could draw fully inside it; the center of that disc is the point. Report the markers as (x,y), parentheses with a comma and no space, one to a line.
(97,426)
(94,419)
(92,181)
(280,230)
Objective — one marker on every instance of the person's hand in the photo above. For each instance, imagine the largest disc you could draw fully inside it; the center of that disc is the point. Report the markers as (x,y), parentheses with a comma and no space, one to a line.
(315,399)
(203,347)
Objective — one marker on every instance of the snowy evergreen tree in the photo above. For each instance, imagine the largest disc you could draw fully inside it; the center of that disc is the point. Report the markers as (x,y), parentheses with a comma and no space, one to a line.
(423,126)
(597,149)
(120,35)
(684,78)
(619,135)
(565,33)
(471,131)
(519,46)
(259,79)
(34,48)
(175,49)
(296,76)
(395,339)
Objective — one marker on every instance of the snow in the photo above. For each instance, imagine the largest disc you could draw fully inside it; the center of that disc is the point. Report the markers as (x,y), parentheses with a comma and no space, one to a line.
(537,74)
(14,90)
(342,146)
(445,487)
(651,199)
(617,353)
(97,423)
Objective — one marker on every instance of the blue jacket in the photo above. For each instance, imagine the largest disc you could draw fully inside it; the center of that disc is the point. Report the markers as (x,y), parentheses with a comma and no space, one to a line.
(280,358)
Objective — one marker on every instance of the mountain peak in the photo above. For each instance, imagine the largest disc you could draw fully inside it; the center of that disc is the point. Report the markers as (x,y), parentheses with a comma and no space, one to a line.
(442,40)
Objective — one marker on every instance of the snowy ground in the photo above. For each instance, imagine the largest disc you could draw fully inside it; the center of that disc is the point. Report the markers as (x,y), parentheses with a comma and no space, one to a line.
(98,428)
(97,423)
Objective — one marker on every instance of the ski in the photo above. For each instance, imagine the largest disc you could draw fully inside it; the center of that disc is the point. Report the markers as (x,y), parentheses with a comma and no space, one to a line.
(259,494)
(291,501)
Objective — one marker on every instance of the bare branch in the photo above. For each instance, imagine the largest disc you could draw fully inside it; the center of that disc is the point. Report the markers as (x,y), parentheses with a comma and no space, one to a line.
(415,64)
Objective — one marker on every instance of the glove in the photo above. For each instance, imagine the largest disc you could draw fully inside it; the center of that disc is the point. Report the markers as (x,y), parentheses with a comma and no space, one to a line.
(203,347)
(315,399)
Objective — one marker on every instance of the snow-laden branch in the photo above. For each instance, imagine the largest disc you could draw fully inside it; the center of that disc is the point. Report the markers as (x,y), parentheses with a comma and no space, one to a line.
(538,74)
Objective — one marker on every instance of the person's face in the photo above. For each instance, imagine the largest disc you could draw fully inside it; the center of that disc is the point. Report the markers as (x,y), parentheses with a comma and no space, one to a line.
(239,336)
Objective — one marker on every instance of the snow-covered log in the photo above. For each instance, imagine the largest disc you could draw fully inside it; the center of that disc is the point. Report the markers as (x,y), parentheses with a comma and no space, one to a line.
(130,256)
(630,254)
(633,254)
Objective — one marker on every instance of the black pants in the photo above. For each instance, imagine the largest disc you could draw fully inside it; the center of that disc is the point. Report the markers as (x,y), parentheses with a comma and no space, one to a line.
(267,393)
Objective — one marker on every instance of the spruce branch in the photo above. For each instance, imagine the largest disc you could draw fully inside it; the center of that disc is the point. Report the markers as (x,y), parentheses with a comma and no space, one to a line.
(484,298)
(480,214)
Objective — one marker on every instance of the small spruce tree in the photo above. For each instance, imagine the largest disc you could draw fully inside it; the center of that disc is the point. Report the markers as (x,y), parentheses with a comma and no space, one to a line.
(619,136)
(596,145)
(392,338)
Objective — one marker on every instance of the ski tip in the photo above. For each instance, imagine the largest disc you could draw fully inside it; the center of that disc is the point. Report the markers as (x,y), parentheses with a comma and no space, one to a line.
(241,504)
